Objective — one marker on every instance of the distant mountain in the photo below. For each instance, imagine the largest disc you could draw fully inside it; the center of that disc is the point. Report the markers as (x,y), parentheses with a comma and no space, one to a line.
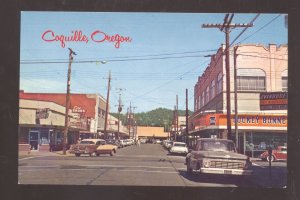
(159,117)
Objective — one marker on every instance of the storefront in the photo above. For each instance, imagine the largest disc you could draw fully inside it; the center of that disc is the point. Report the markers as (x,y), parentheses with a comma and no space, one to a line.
(41,126)
(256,133)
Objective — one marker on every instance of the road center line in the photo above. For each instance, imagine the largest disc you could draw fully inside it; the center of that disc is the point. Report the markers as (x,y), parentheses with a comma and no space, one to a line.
(128,170)
(126,166)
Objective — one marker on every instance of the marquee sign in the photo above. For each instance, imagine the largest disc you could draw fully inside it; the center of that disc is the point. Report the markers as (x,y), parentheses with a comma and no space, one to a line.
(273,101)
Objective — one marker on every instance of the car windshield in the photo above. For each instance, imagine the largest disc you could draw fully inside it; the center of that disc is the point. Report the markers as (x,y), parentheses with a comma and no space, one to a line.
(217,146)
(87,142)
(179,145)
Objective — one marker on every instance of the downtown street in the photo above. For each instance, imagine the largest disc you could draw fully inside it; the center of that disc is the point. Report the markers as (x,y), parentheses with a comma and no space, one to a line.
(144,165)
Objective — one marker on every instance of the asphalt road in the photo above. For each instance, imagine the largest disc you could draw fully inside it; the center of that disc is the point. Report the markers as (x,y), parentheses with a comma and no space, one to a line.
(147,165)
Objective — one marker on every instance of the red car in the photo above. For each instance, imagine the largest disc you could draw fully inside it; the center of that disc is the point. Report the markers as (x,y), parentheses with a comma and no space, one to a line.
(277,154)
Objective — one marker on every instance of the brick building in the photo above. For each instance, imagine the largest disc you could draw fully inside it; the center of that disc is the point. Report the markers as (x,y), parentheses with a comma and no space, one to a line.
(261,98)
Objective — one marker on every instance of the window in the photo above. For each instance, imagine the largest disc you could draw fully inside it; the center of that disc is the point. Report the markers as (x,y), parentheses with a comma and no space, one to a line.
(199,102)
(220,83)
(255,83)
(284,84)
(253,79)
(207,95)
(212,89)
(284,79)
(203,98)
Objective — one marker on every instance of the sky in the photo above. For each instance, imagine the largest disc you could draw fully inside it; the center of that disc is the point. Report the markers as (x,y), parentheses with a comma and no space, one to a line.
(152,57)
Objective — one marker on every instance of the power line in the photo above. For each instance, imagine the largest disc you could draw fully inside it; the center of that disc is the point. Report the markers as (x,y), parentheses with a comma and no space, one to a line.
(264,26)
(114,60)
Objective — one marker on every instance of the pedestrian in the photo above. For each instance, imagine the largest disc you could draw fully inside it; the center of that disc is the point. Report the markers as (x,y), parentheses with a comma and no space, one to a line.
(138,143)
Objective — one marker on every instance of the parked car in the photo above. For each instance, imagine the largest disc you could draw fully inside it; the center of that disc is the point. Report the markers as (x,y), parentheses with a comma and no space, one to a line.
(143,140)
(157,141)
(179,148)
(123,143)
(93,147)
(130,142)
(277,154)
(217,156)
(86,146)
(169,144)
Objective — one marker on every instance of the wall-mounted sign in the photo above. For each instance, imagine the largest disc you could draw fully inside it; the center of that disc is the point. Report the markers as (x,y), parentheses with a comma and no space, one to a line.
(42,113)
(78,109)
(273,101)
(212,120)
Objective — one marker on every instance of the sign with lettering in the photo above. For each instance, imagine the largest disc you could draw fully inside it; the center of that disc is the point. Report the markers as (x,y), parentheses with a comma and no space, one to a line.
(78,109)
(273,101)
(42,113)
(259,120)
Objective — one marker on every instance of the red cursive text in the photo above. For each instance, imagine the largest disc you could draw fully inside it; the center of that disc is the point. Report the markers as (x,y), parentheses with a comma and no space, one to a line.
(76,36)
(99,36)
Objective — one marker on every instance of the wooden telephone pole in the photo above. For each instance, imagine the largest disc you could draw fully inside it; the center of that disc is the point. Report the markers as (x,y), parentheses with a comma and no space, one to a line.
(67,102)
(226,27)
(107,104)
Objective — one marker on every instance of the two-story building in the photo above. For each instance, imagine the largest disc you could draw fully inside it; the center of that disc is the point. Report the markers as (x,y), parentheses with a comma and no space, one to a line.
(261,80)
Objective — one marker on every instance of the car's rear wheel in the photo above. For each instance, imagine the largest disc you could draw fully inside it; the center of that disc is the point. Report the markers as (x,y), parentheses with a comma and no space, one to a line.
(112,152)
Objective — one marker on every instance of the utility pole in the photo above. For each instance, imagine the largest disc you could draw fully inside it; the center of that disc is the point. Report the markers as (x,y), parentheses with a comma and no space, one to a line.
(226,28)
(176,115)
(186,117)
(107,103)
(235,100)
(119,111)
(134,123)
(68,102)
(129,120)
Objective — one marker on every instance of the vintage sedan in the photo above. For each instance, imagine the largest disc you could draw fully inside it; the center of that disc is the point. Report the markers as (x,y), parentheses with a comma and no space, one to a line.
(277,154)
(217,156)
(93,147)
(110,149)
(179,148)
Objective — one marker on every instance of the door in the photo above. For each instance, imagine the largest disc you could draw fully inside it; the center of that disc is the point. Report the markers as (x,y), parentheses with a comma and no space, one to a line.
(34,140)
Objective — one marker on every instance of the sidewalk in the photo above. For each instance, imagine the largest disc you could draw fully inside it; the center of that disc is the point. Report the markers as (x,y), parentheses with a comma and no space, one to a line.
(25,154)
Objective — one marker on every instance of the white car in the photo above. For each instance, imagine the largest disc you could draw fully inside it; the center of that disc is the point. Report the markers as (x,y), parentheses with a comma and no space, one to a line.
(179,148)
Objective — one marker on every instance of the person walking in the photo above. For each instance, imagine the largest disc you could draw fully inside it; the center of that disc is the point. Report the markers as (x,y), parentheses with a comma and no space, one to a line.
(138,143)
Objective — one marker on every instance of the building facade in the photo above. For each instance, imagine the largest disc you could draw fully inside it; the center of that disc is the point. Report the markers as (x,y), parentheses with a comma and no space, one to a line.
(87,118)
(261,88)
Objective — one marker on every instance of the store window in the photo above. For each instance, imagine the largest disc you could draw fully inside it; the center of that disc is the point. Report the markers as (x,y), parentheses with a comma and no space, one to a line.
(44,136)
(257,142)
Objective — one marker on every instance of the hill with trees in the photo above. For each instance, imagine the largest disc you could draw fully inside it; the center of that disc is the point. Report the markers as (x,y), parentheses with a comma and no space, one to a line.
(159,117)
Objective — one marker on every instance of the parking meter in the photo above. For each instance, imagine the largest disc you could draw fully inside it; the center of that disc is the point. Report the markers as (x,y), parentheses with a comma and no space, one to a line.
(270,160)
